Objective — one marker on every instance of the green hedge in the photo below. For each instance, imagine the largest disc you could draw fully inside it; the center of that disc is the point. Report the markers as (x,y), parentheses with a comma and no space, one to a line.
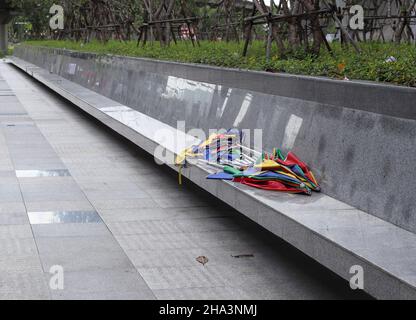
(345,62)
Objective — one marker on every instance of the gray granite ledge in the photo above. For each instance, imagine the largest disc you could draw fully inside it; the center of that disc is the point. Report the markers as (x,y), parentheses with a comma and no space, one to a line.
(333,233)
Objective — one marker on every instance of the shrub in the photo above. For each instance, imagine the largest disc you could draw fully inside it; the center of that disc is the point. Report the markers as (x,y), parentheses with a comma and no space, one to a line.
(344,62)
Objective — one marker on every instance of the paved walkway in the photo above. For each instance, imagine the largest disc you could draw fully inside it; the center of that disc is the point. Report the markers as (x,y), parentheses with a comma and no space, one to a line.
(75,195)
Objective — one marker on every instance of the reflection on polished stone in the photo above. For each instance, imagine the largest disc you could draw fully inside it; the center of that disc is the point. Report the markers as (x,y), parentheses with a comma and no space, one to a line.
(56,217)
(163,134)
(42,173)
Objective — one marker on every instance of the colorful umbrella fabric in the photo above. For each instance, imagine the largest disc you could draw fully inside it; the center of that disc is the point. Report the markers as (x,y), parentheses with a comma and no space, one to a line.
(241,164)
(270,185)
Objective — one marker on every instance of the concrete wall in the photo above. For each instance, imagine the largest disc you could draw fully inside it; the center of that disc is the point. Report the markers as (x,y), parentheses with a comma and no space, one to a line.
(359,137)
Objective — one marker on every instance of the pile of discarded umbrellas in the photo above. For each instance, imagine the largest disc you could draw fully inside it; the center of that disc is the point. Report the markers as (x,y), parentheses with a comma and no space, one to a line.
(241,164)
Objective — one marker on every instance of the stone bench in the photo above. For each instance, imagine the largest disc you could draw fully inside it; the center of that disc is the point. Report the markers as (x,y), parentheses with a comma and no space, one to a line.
(334,232)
